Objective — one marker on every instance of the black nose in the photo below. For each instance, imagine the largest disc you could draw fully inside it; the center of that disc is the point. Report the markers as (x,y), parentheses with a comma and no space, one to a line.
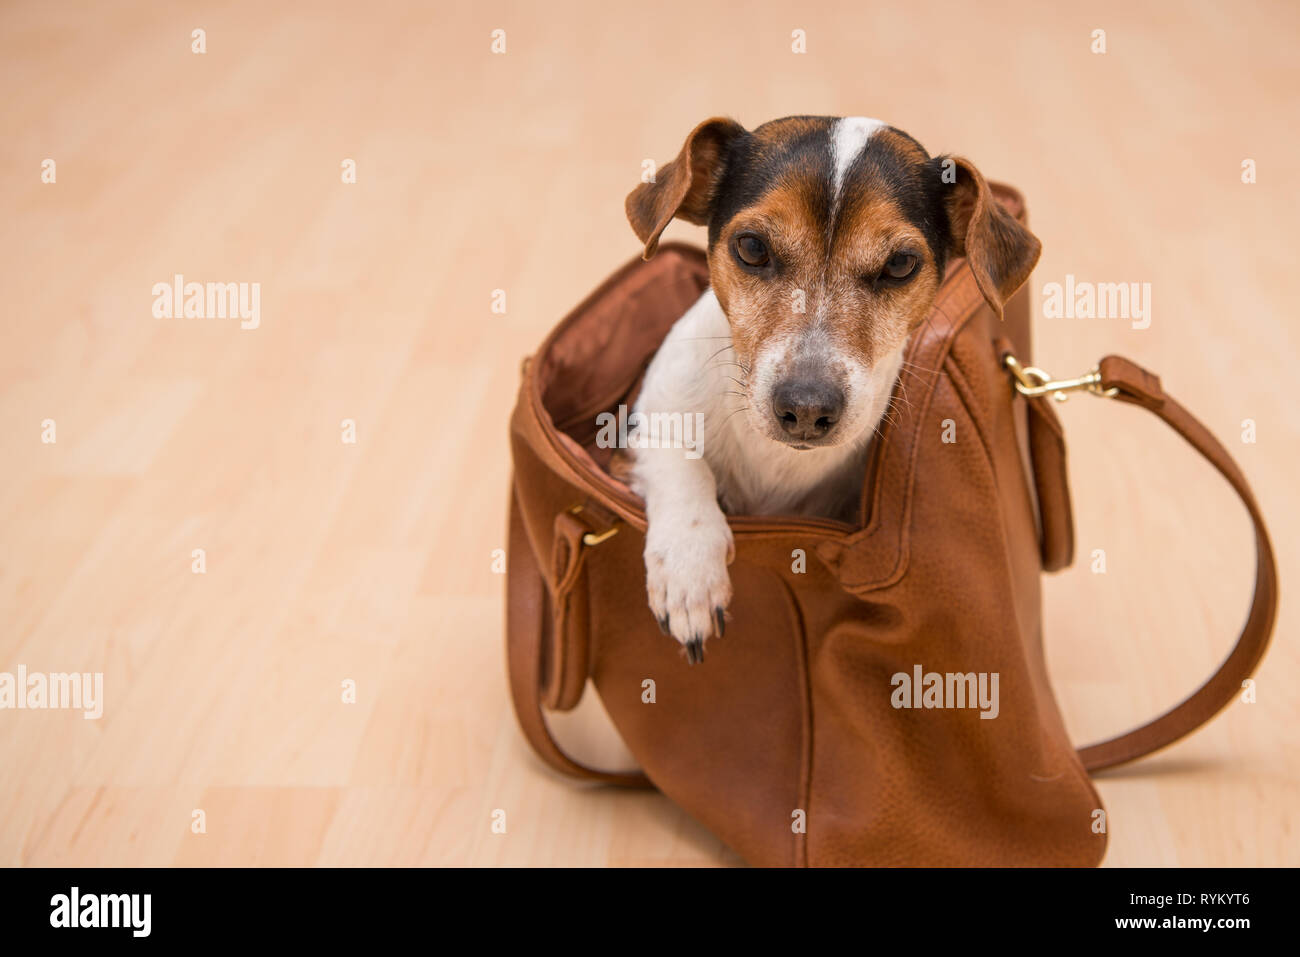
(807,408)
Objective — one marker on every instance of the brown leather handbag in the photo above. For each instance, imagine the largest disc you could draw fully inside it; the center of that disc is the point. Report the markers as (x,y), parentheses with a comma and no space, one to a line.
(797,742)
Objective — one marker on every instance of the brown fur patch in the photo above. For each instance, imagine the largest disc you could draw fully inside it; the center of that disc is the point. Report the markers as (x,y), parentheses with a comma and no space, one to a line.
(827,269)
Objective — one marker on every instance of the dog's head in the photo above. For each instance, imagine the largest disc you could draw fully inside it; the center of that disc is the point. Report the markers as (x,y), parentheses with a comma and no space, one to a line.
(827,242)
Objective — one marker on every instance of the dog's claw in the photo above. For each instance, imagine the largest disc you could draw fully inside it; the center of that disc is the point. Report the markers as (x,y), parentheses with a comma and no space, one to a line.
(695,651)
(687,582)
(722,622)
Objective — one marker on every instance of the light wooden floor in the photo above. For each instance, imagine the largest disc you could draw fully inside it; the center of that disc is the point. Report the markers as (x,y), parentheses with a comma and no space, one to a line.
(371,561)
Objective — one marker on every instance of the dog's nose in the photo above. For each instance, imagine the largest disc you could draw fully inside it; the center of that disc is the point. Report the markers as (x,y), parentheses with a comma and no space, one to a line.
(807,408)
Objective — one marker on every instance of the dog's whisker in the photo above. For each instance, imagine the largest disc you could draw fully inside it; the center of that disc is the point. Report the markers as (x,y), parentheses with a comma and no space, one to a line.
(918,374)
(902,393)
(890,418)
(908,372)
(743,408)
(912,369)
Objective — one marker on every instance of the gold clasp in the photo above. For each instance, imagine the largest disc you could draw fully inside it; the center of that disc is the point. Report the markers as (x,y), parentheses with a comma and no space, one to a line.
(595,538)
(1032,382)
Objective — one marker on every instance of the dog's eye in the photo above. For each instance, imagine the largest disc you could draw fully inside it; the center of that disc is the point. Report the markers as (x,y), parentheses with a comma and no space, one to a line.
(900,266)
(751,250)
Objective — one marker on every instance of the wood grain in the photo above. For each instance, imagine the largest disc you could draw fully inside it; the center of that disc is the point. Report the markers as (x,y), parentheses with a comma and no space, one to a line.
(372,562)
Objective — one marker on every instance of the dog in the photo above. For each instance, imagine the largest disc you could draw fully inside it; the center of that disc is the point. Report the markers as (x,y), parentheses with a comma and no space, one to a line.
(827,243)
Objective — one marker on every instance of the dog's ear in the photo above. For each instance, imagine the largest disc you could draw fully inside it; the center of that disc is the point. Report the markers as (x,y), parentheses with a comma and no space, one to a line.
(685,186)
(1001,252)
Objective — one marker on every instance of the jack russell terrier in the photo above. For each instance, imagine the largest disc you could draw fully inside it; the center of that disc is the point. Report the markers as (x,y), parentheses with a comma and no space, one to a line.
(827,243)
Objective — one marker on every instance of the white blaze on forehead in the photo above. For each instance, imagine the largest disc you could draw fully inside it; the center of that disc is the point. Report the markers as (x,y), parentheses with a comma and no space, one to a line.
(848,136)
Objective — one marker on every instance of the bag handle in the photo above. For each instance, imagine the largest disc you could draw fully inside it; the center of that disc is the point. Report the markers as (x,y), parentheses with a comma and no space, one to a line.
(526,615)
(1119,378)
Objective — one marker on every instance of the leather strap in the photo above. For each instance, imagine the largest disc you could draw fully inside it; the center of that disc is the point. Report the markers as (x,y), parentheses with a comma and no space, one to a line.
(564,665)
(526,614)
(1051,484)
(1139,387)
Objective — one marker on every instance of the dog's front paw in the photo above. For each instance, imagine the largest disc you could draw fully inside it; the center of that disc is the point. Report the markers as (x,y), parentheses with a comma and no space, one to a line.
(686,560)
